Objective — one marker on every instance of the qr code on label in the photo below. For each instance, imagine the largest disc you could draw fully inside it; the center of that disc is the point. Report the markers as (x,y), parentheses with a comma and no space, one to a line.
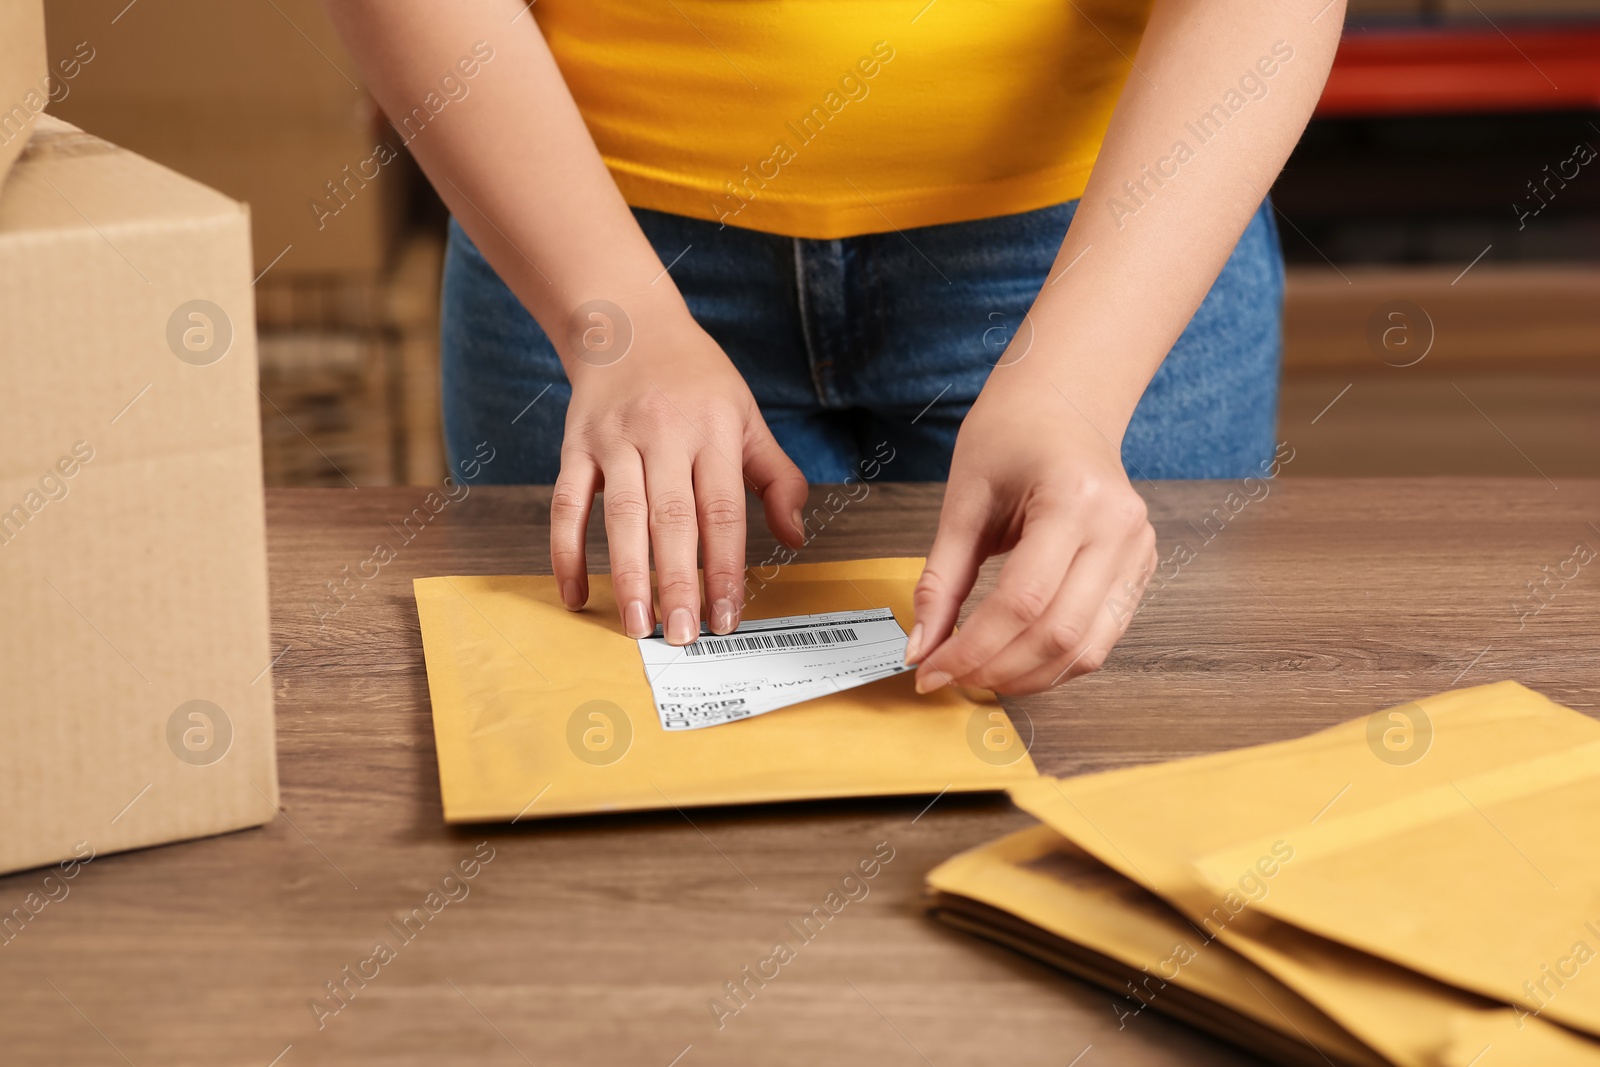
(678,716)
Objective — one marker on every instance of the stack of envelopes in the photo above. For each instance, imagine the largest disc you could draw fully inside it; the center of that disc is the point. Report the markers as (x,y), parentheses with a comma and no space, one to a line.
(1418,887)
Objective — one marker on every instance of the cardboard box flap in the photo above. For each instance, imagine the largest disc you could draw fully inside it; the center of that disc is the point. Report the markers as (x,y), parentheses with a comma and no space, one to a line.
(92,184)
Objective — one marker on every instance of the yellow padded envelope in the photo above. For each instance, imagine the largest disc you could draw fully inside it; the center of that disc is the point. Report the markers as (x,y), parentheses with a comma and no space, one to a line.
(1489,882)
(539,711)
(1181,829)
(1087,919)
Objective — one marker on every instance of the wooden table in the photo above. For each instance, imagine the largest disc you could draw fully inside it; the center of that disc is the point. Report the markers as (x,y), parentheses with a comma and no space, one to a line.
(601,941)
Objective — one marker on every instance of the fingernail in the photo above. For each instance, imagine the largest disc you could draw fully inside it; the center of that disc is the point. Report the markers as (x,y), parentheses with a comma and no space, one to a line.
(570,595)
(724,617)
(799,524)
(925,683)
(914,644)
(637,619)
(681,627)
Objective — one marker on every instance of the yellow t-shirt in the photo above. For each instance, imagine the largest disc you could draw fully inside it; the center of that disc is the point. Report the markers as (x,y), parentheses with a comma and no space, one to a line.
(829,118)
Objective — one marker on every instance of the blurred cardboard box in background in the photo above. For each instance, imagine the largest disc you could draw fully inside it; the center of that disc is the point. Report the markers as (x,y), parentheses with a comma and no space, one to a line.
(259,101)
(138,699)
(24,80)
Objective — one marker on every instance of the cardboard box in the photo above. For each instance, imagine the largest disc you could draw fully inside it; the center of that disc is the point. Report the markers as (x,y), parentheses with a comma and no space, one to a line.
(259,101)
(24,84)
(137,693)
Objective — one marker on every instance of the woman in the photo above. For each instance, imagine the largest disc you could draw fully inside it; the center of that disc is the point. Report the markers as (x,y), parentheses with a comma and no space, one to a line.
(1018,245)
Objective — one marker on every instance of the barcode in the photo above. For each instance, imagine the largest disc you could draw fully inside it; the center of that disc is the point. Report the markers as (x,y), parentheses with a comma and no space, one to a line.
(765,642)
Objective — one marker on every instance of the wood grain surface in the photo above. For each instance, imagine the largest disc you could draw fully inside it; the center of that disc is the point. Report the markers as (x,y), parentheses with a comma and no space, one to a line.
(602,940)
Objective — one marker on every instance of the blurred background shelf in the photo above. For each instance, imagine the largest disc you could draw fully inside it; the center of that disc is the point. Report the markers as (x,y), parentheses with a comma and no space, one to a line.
(350,373)
(1431,70)
(1442,230)
(1530,319)
(1487,424)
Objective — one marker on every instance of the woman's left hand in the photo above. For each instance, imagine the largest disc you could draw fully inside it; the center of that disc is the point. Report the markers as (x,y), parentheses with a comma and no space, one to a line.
(1032,477)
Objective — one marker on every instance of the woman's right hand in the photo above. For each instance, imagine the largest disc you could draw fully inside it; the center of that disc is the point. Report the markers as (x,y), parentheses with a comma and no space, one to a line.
(663,423)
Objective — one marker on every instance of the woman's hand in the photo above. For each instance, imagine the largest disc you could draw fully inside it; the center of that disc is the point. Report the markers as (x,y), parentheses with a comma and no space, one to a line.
(1032,473)
(663,423)
(671,433)
(1035,479)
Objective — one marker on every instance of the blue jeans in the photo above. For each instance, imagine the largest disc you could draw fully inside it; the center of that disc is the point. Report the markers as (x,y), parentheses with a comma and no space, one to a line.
(882,338)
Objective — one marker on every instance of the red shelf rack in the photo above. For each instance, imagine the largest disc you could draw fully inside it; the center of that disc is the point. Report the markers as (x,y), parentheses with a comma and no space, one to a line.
(1453,71)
